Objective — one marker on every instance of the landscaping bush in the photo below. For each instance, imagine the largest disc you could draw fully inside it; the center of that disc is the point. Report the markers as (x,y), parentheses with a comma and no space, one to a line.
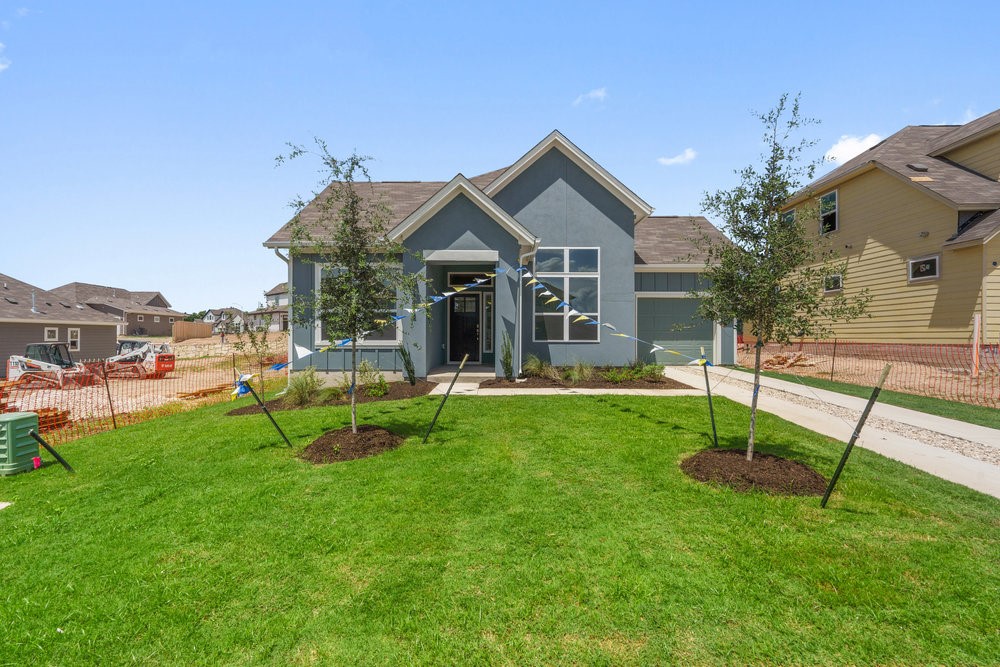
(408,368)
(581,371)
(532,366)
(507,357)
(371,380)
(303,388)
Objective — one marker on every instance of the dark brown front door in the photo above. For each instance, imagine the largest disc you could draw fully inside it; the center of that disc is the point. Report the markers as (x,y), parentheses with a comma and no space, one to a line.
(463,336)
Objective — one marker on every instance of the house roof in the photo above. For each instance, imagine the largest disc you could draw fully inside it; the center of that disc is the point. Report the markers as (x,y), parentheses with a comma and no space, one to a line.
(83,291)
(669,239)
(963,134)
(981,229)
(16,305)
(557,141)
(232,312)
(280,288)
(127,305)
(956,186)
(460,185)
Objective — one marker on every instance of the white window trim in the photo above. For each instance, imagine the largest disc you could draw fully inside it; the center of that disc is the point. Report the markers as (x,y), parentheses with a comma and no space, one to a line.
(51,334)
(170,320)
(561,275)
(839,277)
(909,268)
(318,325)
(70,340)
(836,211)
(138,318)
(156,318)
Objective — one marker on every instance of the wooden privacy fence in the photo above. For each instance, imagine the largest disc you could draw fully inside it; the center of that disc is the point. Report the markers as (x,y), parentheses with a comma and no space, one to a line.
(92,402)
(186,330)
(952,372)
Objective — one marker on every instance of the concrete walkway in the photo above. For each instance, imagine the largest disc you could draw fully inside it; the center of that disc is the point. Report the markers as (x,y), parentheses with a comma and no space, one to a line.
(963,453)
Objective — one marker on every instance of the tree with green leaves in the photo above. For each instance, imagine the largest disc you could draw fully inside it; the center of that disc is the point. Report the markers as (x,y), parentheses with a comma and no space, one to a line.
(345,228)
(771,273)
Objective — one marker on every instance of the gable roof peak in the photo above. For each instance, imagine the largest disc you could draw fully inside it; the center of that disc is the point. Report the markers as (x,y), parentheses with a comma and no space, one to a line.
(558,140)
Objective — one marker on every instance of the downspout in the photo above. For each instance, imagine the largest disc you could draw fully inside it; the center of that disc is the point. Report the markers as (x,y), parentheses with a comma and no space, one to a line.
(291,328)
(520,316)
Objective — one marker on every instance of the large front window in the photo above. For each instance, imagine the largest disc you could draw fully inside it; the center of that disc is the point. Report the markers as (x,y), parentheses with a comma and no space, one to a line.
(390,334)
(572,275)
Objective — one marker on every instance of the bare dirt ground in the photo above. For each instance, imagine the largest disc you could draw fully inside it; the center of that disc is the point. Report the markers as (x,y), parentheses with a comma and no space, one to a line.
(201,364)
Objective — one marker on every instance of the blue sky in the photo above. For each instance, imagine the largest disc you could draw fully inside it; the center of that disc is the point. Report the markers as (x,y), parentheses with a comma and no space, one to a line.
(137,139)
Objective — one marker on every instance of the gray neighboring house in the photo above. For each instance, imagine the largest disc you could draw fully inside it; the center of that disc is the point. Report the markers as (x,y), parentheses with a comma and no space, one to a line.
(580,231)
(138,313)
(29,314)
(229,320)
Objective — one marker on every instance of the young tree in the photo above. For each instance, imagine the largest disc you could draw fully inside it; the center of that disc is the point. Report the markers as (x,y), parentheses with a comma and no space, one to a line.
(345,228)
(772,273)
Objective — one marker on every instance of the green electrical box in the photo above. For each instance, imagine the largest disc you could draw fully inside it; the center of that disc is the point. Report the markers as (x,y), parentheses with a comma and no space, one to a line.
(17,448)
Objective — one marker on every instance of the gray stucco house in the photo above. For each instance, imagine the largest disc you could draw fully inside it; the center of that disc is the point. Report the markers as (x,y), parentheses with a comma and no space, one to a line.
(576,227)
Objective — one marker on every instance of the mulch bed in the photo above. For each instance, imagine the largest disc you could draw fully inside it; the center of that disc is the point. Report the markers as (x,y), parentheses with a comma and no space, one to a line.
(596,383)
(397,391)
(344,445)
(772,474)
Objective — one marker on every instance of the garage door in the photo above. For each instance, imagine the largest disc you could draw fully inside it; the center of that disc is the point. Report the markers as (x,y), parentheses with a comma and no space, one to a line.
(671,324)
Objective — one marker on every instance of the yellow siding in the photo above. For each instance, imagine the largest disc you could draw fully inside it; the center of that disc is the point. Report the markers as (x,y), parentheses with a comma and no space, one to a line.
(982,156)
(991,277)
(880,223)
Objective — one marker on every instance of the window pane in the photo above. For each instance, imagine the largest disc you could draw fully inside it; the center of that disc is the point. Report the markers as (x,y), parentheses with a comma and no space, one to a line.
(924,268)
(388,332)
(583,294)
(582,330)
(583,260)
(549,327)
(549,261)
(827,203)
(487,323)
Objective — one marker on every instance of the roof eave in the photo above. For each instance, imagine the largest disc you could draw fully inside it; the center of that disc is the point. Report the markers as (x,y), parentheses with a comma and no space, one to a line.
(639,208)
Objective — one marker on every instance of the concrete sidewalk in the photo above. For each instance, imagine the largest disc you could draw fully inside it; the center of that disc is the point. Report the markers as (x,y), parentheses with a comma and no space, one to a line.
(963,453)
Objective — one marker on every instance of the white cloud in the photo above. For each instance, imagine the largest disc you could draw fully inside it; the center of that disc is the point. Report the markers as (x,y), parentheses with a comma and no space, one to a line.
(849,146)
(23,11)
(596,95)
(688,155)
(4,63)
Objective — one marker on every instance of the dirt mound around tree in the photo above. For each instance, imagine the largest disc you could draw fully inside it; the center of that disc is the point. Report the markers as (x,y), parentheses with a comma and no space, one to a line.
(344,445)
(772,474)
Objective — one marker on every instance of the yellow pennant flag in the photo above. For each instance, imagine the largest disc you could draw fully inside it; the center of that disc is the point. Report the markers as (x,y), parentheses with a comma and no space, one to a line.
(701,362)
(580,319)
(675,352)
(620,334)
(531,282)
(555,298)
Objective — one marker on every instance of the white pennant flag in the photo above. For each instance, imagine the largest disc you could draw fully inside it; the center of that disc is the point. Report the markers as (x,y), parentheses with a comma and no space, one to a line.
(302,352)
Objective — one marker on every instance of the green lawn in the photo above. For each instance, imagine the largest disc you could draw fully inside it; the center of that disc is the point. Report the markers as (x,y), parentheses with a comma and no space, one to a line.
(972,414)
(529,530)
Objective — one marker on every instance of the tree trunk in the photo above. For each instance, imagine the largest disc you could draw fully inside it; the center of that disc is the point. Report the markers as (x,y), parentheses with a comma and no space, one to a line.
(753,400)
(354,385)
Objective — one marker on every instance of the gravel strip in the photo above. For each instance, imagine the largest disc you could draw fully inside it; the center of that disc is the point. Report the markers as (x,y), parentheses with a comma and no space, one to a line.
(973,450)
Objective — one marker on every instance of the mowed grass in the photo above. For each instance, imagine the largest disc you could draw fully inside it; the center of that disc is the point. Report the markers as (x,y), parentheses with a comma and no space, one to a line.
(529,530)
(966,412)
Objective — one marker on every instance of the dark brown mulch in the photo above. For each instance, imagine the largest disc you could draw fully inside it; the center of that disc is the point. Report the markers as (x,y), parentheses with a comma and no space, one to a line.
(343,445)
(772,474)
(596,383)
(397,391)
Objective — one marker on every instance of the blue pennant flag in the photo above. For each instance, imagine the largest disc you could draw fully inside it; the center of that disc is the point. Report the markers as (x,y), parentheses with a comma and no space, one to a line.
(472,284)
(538,287)
(278,367)
(438,297)
(561,304)
(500,271)
(397,318)
(593,323)
(351,389)
(522,269)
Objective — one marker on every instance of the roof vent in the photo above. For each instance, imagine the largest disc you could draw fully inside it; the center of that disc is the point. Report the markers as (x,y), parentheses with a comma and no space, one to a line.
(917,166)
(10,300)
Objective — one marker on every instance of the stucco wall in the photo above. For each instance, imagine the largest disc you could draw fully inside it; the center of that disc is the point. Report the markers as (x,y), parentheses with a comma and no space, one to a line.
(565,207)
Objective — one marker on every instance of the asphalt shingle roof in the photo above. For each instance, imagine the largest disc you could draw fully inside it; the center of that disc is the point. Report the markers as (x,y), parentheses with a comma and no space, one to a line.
(668,239)
(16,304)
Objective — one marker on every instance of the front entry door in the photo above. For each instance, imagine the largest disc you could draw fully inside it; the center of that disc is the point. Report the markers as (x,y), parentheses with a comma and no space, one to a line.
(463,326)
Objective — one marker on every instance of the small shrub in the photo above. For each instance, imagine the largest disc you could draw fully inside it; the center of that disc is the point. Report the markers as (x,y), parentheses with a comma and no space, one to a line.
(378,388)
(507,357)
(581,371)
(408,367)
(303,388)
(550,372)
(615,375)
(532,366)
(368,373)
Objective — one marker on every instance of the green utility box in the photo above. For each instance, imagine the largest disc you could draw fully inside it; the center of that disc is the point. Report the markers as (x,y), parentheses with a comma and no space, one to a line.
(17,448)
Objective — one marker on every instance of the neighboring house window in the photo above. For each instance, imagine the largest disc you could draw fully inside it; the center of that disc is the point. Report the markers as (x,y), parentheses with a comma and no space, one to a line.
(51,334)
(788,217)
(156,318)
(833,283)
(74,340)
(170,321)
(573,275)
(828,213)
(138,318)
(925,268)
(390,334)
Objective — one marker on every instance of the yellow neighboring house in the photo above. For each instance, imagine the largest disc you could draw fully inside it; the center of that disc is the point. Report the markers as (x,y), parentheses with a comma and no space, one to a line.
(918,219)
